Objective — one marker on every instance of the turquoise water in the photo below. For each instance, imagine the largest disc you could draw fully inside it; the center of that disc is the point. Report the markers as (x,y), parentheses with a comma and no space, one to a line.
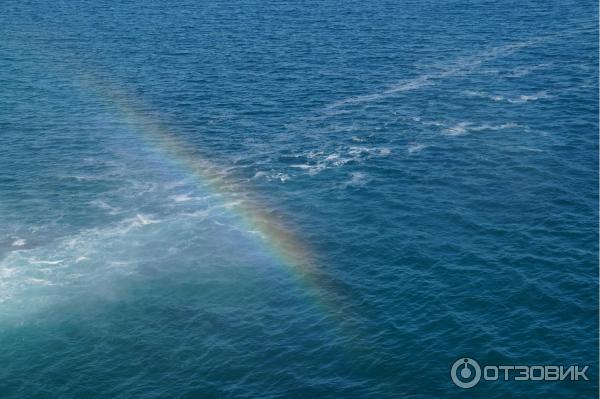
(296,200)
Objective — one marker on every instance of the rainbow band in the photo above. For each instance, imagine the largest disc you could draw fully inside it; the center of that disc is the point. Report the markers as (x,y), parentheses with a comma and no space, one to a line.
(276,236)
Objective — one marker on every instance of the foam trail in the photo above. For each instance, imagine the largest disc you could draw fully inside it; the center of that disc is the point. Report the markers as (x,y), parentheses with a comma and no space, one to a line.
(458,67)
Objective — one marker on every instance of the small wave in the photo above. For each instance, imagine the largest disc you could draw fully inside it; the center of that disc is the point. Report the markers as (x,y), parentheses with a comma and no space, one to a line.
(336,159)
(526,98)
(433,123)
(416,147)
(311,169)
(357,179)
(480,94)
(531,149)
(458,129)
(144,220)
(463,128)
(360,151)
(259,174)
(486,126)
(526,70)
(282,177)
(46,262)
(105,206)
(301,166)
(513,100)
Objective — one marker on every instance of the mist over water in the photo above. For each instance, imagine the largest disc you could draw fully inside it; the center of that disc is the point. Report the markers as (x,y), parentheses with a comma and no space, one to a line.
(250,200)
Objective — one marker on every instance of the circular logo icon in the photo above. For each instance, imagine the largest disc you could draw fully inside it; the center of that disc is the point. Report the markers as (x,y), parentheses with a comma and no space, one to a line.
(465,373)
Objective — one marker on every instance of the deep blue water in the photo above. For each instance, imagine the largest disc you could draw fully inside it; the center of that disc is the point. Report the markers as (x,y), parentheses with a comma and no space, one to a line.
(423,178)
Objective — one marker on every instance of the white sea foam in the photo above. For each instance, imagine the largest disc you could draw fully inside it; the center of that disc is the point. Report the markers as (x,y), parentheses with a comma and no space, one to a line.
(145,220)
(91,258)
(282,177)
(181,198)
(471,93)
(415,147)
(513,100)
(19,242)
(60,263)
(463,128)
(531,97)
(336,159)
(260,173)
(361,151)
(433,123)
(301,166)
(343,155)
(215,210)
(105,206)
(311,169)
(458,129)
(316,169)
(6,272)
(357,179)
(46,262)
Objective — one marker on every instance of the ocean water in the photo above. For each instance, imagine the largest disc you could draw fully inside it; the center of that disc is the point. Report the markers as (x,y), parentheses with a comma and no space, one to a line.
(296,199)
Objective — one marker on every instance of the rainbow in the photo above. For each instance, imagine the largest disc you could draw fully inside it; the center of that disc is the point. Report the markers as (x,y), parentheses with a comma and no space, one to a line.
(277,235)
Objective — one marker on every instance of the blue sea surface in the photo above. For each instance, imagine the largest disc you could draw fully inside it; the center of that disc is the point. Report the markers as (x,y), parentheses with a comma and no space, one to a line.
(311,199)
